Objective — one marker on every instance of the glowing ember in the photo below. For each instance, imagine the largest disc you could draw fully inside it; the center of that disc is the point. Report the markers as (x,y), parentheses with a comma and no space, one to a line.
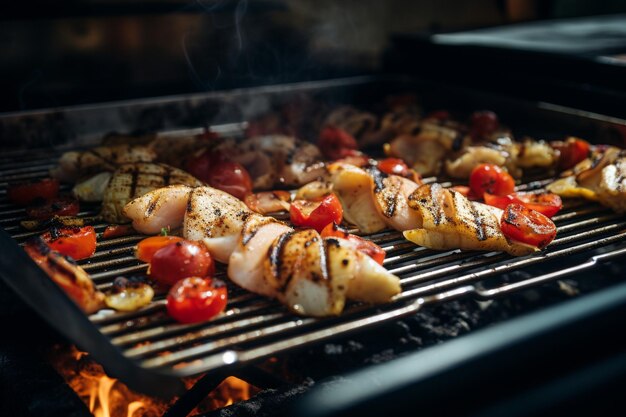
(107,397)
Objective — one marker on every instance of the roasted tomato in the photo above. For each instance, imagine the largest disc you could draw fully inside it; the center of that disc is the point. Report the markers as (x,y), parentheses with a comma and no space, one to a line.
(117,230)
(232,178)
(547,204)
(25,193)
(490,178)
(396,166)
(76,242)
(527,226)
(147,247)
(317,213)
(336,143)
(181,260)
(194,299)
(572,151)
(483,124)
(370,248)
(201,163)
(59,206)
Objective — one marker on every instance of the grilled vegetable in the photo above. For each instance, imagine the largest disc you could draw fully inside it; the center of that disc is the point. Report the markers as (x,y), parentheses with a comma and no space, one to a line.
(524,225)
(316,214)
(181,260)
(547,204)
(489,178)
(150,245)
(25,193)
(336,143)
(76,242)
(268,201)
(58,206)
(117,230)
(363,245)
(195,299)
(129,294)
(230,177)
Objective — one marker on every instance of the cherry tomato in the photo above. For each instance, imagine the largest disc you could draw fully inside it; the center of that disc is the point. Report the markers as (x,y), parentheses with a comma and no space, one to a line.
(463,190)
(396,166)
(76,242)
(316,214)
(527,226)
(59,206)
(181,260)
(195,299)
(572,151)
(490,178)
(363,245)
(483,124)
(336,143)
(200,164)
(148,247)
(547,204)
(27,192)
(232,178)
(117,230)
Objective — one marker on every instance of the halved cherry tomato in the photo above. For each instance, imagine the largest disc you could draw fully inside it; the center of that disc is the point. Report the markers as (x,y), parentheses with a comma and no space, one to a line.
(547,204)
(117,230)
(490,178)
(316,214)
(369,248)
(27,192)
(527,226)
(232,178)
(336,143)
(195,299)
(181,260)
(76,242)
(393,166)
(483,123)
(148,247)
(59,206)
(572,151)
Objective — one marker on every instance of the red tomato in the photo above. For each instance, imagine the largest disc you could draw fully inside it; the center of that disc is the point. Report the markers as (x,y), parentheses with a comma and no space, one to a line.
(232,178)
(527,226)
(369,248)
(572,151)
(148,247)
(76,242)
(336,143)
(26,192)
(59,206)
(194,299)
(181,260)
(547,204)
(483,124)
(463,190)
(316,214)
(396,166)
(490,178)
(200,164)
(117,230)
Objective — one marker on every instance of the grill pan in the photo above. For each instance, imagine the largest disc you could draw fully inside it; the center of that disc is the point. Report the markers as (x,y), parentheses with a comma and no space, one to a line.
(150,352)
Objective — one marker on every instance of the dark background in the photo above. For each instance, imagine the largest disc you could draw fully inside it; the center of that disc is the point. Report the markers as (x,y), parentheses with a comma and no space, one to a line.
(84,51)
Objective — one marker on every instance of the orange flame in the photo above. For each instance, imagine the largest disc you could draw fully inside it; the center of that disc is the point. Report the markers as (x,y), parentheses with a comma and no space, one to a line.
(107,397)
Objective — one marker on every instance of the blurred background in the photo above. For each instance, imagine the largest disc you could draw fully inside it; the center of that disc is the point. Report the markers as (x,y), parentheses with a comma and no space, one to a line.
(84,51)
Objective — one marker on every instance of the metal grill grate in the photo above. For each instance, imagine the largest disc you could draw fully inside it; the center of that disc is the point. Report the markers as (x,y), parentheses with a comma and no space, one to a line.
(253,328)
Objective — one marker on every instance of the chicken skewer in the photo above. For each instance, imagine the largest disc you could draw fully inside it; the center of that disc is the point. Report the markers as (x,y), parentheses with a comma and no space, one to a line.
(309,274)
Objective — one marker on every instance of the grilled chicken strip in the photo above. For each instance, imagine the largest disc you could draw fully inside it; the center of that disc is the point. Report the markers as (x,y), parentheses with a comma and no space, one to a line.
(75,165)
(322,272)
(448,220)
(130,181)
(373,200)
(66,274)
(600,178)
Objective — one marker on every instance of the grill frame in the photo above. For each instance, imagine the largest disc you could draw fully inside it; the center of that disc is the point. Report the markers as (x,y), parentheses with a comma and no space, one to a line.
(261,326)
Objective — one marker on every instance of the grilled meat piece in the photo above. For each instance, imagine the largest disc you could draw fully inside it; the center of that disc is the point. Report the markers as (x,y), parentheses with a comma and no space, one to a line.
(75,165)
(602,178)
(130,181)
(66,274)
(326,272)
(448,220)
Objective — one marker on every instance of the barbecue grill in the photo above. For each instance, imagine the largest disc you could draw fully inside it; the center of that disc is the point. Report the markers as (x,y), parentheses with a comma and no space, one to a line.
(151,353)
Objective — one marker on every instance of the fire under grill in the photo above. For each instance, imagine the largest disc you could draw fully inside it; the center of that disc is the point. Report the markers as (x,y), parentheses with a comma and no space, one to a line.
(150,351)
